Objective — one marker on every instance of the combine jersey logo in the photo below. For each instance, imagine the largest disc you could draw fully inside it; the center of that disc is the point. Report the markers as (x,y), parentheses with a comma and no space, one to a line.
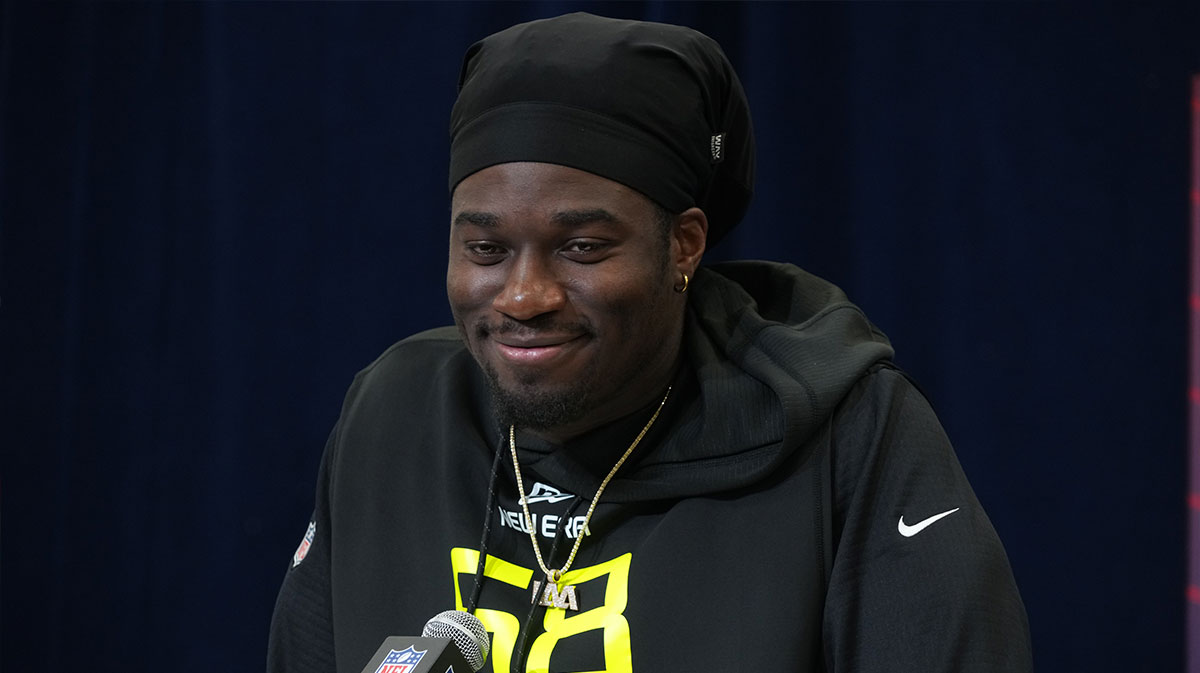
(403,661)
(305,544)
(600,592)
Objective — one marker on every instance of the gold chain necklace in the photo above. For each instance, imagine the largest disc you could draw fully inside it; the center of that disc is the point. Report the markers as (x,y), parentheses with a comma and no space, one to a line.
(550,596)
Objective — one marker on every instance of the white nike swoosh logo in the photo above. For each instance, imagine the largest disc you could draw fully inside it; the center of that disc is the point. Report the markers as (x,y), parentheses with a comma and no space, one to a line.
(909,531)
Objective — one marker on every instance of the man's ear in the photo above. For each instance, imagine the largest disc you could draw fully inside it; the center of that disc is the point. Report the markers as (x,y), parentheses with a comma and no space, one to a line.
(688,239)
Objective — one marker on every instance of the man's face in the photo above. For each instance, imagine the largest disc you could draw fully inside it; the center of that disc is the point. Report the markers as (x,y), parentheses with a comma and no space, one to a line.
(561,284)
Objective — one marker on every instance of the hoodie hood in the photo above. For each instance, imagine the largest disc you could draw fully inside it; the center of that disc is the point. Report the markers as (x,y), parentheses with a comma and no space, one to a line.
(771,350)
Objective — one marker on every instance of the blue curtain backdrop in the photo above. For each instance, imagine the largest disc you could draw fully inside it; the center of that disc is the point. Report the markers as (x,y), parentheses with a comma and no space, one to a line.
(214,214)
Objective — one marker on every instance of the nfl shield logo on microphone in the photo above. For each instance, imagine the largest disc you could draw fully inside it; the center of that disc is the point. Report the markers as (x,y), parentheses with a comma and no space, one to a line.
(401,661)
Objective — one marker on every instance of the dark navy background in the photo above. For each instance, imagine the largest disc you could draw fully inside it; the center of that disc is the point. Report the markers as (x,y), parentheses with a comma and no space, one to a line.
(212,215)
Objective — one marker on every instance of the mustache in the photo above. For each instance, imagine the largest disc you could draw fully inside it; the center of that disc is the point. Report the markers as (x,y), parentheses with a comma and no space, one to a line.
(541,324)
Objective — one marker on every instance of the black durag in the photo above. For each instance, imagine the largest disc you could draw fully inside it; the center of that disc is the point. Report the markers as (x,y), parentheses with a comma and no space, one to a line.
(652,106)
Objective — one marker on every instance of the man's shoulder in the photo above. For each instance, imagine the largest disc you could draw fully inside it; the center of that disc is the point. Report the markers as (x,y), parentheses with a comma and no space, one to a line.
(419,374)
(420,348)
(422,355)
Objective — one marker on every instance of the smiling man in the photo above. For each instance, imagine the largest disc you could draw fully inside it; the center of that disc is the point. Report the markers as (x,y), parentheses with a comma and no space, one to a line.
(619,459)
(567,289)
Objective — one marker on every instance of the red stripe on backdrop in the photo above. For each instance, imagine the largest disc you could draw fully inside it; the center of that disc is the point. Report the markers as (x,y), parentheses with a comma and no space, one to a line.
(1193,586)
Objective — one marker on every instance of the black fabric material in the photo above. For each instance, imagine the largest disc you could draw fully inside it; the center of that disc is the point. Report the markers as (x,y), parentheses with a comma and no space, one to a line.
(301,639)
(212,214)
(615,98)
(808,518)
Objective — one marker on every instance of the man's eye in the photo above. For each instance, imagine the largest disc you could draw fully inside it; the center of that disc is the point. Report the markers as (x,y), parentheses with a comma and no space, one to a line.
(484,251)
(584,249)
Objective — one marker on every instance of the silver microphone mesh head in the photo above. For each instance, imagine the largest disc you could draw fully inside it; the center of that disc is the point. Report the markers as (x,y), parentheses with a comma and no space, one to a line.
(465,630)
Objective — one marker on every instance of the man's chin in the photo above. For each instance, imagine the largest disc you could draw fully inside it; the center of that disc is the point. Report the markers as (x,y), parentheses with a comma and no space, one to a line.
(532,402)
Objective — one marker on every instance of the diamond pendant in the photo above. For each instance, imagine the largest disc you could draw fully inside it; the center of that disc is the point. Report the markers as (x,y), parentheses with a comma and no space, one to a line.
(551,597)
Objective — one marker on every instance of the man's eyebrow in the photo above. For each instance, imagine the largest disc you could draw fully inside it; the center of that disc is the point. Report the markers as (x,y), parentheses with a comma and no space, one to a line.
(487,220)
(575,218)
(566,218)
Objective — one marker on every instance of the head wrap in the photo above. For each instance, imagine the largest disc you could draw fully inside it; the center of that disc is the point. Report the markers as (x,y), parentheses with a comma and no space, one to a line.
(653,106)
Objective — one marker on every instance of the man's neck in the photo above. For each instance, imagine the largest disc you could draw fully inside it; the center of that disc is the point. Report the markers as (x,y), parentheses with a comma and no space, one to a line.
(648,401)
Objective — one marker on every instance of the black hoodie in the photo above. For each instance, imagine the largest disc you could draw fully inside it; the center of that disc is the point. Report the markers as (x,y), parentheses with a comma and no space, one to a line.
(797,507)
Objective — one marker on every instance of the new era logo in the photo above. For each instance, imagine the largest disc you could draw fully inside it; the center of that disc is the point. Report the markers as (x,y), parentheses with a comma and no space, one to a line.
(544,493)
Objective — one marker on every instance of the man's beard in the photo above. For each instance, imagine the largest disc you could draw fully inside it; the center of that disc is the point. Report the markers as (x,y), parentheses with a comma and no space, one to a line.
(526,402)
(528,406)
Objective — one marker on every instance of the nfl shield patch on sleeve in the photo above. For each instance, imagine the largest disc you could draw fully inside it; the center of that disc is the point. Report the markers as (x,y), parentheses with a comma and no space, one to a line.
(302,550)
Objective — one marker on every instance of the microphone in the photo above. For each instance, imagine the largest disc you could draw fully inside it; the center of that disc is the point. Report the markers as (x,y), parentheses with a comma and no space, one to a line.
(451,642)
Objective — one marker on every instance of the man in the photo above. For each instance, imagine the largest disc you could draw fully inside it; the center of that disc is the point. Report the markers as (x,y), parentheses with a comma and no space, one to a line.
(620,460)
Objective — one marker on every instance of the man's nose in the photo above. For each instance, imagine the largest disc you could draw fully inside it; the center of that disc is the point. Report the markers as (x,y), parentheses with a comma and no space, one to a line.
(530,289)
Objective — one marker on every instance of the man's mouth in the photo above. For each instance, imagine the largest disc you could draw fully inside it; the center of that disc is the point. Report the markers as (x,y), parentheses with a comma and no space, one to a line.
(536,341)
(533,343)
(535,350)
